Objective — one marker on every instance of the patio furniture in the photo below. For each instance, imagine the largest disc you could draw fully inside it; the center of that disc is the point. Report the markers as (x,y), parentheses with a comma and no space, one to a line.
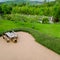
(10,36)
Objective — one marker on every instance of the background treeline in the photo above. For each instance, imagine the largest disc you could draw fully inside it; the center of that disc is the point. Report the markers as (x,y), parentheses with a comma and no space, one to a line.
(46,9)
(43,9)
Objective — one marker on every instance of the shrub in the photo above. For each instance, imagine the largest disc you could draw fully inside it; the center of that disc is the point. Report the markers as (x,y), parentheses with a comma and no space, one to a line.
(22,18)
(56,12)
(45,20)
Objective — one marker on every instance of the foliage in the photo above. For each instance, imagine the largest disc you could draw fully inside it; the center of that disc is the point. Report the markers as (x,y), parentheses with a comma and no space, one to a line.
(45,21)
(26,9)
(56,12)
(47,9)
(6,8)
(22,18)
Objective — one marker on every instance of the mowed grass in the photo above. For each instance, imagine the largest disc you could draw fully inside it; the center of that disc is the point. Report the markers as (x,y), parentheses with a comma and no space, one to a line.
(6,25)
(49,29)
(45,34)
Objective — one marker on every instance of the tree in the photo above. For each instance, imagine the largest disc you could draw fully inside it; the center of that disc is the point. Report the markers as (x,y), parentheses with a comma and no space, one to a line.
(1,12)
(56,12)
(6,8)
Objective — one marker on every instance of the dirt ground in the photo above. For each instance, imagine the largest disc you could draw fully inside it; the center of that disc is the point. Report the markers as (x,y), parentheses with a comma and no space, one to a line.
(25,49)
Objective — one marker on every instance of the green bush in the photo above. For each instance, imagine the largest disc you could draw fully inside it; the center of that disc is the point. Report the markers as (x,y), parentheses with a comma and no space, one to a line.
(22,18)
(56,12)
(45,21)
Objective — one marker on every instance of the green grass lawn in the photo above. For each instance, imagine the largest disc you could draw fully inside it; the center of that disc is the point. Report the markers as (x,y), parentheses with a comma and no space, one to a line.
(45,34)
(49,29)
